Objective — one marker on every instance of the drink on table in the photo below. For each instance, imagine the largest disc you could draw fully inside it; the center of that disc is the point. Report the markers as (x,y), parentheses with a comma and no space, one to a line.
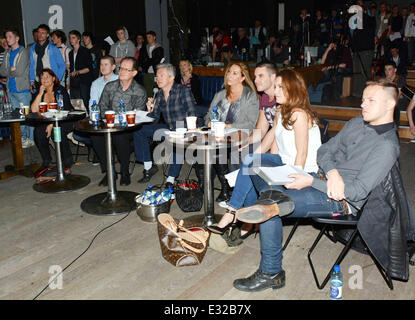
(214,117)
(94,113)
(122,114)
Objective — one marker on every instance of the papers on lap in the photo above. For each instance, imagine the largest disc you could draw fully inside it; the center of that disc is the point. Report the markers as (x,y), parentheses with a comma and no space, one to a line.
(278,175)
(141,116)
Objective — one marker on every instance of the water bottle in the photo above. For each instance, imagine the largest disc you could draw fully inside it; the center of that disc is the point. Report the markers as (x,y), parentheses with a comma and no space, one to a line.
(122,114)
(214,117)
(59,98)
(94,113)
(153,199)
(166,194)
(336,284)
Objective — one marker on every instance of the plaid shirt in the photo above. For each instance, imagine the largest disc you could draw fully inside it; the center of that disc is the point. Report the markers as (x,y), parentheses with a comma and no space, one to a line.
(135,97)
(178,106)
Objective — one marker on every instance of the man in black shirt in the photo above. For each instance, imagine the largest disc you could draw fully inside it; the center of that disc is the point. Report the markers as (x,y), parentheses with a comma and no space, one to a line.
(96,55)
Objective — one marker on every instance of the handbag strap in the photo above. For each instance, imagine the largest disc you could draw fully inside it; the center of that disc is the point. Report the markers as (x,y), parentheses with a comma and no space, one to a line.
(172,226)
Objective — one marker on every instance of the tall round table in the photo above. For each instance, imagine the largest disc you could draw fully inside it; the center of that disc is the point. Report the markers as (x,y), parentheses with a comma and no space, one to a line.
(112,202)
(209,145)
(63,182)
(18,168)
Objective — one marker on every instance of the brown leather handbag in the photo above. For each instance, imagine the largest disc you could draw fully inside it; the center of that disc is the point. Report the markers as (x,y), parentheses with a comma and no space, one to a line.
(183,243)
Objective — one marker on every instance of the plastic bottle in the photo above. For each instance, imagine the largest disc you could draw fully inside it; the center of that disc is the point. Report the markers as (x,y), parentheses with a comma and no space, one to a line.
(166,194)
(153,199)
(94,113)
(336,284)
(214,117)
(122,114)
(59,98)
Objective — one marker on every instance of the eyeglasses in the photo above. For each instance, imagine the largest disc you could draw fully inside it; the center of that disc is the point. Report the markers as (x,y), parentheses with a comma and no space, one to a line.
(125,69)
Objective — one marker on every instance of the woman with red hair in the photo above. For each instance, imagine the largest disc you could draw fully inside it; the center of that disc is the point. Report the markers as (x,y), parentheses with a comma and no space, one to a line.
(49,89)
(293,139)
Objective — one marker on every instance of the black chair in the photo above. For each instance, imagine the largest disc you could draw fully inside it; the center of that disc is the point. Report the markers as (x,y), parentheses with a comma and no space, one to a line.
(350,222)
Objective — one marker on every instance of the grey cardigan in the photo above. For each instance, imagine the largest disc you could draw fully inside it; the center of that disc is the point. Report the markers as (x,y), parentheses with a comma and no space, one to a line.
(22,65)
(249,108)
(361,155)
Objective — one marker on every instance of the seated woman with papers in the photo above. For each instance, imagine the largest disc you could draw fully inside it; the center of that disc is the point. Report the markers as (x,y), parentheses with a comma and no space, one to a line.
(293,141)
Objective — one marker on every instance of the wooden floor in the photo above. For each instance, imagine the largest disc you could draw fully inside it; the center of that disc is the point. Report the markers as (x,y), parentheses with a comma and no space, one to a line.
(40,231)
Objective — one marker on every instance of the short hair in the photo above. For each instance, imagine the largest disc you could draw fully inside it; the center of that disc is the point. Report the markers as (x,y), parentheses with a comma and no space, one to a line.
(170,68)
(390,63)
(44,27)
(90,35)
(34,30)
(120,28)
(387,86)
(152,33)
(60,34)
(75,33)
(135,66)
(271,68)
(110,58)
(12,30)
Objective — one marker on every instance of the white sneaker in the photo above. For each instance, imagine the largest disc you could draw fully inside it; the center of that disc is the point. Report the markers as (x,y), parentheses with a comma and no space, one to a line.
(413,139)
(30,143)
(25,143)
(224,204)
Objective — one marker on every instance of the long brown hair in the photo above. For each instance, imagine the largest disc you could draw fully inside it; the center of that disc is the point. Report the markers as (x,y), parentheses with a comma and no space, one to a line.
(56,81)
(296,93)
(245,73)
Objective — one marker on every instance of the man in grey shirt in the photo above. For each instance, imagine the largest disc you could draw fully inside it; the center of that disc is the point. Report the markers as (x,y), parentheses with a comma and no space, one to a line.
(134,97)
(353,163)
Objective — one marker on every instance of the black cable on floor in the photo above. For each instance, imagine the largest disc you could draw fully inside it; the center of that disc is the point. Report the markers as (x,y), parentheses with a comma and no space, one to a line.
(92,241)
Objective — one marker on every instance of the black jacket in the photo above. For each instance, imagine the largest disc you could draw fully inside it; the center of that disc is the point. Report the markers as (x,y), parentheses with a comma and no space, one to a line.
(387,223)
(146,62)
(83,60)
(364,39)
(195,87)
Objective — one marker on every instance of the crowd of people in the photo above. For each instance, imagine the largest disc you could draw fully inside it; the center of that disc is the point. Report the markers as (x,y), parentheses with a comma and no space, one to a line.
(273,107)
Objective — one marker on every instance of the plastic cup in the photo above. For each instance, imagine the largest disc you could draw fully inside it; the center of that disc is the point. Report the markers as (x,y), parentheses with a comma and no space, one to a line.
(110,116)
(130,118)
(220,129)
(43,107)
(53,106)
(191,123)
(24,111)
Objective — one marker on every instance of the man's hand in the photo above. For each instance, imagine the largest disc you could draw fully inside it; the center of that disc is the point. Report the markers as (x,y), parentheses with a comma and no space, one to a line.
(335,185)
(150,104)
(301,181)
(13,69)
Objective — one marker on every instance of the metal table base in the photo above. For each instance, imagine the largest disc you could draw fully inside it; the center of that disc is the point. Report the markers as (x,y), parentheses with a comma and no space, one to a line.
(69,183)
(101,204)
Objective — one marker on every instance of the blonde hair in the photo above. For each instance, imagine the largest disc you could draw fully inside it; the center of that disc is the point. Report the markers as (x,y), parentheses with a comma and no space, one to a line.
(189,64)
(245,73)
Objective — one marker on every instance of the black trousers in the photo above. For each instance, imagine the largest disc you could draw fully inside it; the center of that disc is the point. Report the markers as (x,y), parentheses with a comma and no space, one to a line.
(42,143)
(121,142)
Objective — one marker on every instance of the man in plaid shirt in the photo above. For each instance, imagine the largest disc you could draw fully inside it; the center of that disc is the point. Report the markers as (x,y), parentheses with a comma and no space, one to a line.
(175,103)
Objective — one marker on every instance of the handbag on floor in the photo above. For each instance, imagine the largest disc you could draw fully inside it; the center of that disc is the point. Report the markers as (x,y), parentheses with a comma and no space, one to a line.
(49,174)
(189,194)
(182,243)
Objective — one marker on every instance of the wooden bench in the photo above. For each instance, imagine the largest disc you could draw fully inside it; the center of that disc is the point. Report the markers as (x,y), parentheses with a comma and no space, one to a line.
(338,116)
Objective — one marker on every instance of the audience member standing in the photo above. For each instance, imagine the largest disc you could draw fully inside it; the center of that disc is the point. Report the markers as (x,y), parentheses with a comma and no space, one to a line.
(80,68)
(363,45)
(410,33)
(44,54)
(59,40)
(152,56)
(123,47)
(15,68)
(88,40)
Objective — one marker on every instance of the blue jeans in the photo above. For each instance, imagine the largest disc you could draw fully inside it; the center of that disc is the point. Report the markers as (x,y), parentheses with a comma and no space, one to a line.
(142,148)
(309,202)
(16,99)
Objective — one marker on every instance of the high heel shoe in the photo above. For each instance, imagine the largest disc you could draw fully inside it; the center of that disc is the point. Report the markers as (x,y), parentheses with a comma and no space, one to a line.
(218,230)
(251,231)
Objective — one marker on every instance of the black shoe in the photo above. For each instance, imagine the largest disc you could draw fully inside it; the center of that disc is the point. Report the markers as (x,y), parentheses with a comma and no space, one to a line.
(125,179)
(43,166)
(168,185)
(95,161)
(218,230)
(260,281)
(251,231)
(104,181)
(147,174)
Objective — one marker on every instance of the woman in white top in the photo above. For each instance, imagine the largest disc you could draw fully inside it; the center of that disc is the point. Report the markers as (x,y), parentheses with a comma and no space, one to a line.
(294,139)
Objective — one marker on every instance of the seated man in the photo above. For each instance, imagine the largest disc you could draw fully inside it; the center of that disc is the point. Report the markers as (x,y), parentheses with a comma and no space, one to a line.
(175,102)
(354,162)
(222,44)
(398,59)
(134,97)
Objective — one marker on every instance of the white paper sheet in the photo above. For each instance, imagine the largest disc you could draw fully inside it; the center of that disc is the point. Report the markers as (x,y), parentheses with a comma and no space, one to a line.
(278,175)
